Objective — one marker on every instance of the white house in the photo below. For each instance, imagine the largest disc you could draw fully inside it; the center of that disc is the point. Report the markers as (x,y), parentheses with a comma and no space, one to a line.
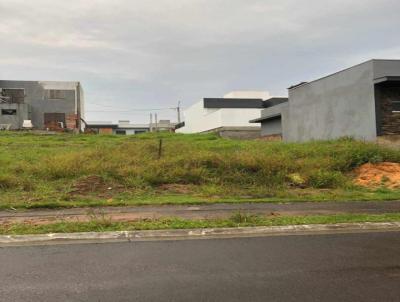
(228,116)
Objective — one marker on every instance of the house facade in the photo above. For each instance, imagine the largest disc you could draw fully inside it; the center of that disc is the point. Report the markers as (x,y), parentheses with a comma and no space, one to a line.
(229,115)
(47,104)
(361,102)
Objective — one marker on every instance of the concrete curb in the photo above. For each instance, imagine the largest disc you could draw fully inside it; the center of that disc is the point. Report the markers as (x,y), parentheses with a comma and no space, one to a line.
(128,236)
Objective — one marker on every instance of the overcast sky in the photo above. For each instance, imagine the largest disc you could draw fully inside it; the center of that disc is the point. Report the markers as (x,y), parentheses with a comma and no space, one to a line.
(145,54)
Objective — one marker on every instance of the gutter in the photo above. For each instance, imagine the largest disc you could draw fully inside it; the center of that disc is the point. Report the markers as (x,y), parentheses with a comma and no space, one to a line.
(190,234)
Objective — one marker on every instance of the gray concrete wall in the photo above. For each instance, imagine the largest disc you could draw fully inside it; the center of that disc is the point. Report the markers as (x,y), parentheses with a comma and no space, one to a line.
(240,134)
(342,104)
(15,121)
(36,95)
(274,127)
(237,132)
(271,127)
(384,68)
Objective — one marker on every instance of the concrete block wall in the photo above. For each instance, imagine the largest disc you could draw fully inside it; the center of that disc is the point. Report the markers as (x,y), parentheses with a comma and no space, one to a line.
(15,121)
(342,104)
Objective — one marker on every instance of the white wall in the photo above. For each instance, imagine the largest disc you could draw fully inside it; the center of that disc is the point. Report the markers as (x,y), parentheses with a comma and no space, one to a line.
(239,117)
(200,119)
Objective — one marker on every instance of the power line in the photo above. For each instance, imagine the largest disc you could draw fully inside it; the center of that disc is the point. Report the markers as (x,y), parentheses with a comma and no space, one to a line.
(127,110)
(131,110)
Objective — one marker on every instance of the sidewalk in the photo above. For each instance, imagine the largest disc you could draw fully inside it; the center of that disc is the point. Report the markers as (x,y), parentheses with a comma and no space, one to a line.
(212,211)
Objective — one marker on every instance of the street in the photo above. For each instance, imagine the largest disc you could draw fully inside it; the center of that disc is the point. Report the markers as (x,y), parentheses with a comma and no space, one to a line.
(338,267)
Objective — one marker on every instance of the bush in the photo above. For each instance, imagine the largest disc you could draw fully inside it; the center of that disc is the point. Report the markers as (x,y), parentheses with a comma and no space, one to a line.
(8,182)
(326,179)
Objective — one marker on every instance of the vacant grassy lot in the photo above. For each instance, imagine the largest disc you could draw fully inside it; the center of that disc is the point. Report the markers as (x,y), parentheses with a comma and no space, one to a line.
(79,170)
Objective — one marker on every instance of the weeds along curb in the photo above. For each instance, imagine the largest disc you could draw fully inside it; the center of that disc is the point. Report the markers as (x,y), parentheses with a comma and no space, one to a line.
(148,235)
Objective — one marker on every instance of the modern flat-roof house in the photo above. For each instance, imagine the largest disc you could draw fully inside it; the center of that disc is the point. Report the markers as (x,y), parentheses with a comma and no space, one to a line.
(48,104)
(229,116)
(361,102)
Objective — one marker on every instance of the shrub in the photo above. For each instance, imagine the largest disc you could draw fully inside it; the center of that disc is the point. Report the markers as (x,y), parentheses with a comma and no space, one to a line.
(8,182)
(326,179)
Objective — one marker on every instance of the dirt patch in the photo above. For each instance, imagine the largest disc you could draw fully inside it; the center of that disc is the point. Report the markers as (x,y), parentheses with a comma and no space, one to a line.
(384,174)
(95,185)
(176,188)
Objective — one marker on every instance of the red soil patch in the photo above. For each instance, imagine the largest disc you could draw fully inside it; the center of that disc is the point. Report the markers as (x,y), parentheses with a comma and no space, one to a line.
(378,175)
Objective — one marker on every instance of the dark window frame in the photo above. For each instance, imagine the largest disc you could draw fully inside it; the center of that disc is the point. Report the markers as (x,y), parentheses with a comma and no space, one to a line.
(120,132)
(14,98)
(56,94)
(395,106)
(8,111)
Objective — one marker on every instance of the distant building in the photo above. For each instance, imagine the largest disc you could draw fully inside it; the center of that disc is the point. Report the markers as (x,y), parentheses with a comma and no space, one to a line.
(361,102)
(163,126)
(124,127)
(101,127)
(229,116)
(48,104)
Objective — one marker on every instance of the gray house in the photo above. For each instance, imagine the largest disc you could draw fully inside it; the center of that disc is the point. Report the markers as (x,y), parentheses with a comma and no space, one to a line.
(48,104)
(362,102)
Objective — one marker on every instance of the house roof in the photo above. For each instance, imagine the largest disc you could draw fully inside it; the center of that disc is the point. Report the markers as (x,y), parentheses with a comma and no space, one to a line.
(219,103)
(133,126)
(271,113)
(265,118)
(340,71)
(101,124)
(180,125)
(275,101)
(113,126)
(387,79)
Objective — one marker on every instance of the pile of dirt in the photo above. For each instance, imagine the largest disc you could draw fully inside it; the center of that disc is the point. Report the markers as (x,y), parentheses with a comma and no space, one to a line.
(95,185)
(384,174)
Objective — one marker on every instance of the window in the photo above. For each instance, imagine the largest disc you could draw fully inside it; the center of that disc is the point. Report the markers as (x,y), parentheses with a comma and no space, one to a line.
(8,111)
(55,94)
(14,95)
(121,132)
(396,106)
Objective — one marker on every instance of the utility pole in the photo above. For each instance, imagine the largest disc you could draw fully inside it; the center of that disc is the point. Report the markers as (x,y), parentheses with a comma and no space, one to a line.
(151,122)
(178,110)
(156,122)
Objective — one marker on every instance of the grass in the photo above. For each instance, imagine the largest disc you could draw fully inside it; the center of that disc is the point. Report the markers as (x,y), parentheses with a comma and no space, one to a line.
(66,170)
(237,220)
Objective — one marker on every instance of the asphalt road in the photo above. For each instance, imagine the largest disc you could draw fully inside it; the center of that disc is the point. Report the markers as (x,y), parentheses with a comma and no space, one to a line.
(341,267)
